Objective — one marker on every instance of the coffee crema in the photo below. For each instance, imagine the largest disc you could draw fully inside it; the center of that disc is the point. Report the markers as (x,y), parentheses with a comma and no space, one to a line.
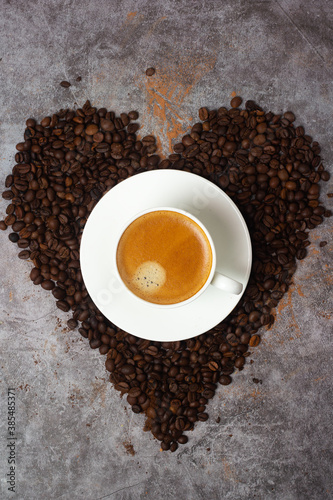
(164,257)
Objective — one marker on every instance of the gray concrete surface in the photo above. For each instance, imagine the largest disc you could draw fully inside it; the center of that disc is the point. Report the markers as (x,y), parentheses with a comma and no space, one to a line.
(76,439)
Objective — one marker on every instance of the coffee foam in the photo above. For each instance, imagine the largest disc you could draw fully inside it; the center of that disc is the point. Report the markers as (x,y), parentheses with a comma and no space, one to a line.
(164,257)
(148,277)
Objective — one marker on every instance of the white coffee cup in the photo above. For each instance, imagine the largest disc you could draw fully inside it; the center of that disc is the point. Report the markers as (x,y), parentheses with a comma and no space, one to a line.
(215,278)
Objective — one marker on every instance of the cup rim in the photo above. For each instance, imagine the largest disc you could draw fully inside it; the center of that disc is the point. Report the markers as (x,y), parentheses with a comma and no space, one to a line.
(212,246)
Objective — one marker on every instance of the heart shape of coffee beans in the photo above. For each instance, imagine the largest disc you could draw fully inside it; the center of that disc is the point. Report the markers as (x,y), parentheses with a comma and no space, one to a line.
(270,168)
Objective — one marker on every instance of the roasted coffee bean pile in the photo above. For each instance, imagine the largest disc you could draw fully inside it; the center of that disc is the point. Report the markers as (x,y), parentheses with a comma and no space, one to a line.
(269,167)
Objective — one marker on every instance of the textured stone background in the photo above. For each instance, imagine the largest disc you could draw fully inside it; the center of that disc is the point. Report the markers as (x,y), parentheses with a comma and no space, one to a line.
(76,437)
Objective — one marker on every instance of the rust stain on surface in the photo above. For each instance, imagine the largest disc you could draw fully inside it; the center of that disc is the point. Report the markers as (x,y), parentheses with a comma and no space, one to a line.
(132,22)
(155,24)
(98,77)
(287,303)
(98,391)
(131,15)
(291,374)
(166,116)
(25,387)
(129,448)
(299,291)
(256,394)
(75,397)
(328,274)
(313,250)
(229,471)
(325,315)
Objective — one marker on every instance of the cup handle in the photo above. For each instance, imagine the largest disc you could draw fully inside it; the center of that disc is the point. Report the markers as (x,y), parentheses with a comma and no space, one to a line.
(226,284)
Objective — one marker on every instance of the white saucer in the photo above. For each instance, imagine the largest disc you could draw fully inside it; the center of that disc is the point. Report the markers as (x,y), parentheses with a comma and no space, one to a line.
(172,188)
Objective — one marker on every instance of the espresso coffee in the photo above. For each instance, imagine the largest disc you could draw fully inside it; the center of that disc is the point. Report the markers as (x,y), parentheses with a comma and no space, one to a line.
(164,257)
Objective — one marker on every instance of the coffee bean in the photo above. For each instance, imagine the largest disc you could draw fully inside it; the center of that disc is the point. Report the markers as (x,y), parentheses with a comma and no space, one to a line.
(173,447)
(269,284)
(225,380)
(13,237)
(254,341)
(48,285)
(239,363)
(34,273)
(18,226)
(46,121)
(62,305)
(94,343)
(136,408)
(182,439)
(134,392)
(150,71)
(25,254)
(253,317)
(301,254)
(122,387)
(325,176)
(8,195)
(133,115)
(203,417)
(127,369)
(245,337)
(107,125)
(59,293)
(165,446)
(236,102)
(110,365)
(72,324)
(38,280)
(131,400)
(203,114)
(9,181)
(91,129)
(212,365)
(289,116)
